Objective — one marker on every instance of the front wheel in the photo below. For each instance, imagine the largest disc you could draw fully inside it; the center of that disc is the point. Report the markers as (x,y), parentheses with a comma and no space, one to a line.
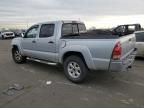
(75,69)
(17,57)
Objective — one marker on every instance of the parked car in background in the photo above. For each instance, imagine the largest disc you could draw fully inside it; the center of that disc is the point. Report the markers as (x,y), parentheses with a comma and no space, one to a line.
(68,43)
(18,32)
(6,34)
(140,43)
(127,29)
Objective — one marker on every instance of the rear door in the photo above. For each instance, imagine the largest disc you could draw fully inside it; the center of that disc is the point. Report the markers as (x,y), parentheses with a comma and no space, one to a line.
(140,43)
(46,43)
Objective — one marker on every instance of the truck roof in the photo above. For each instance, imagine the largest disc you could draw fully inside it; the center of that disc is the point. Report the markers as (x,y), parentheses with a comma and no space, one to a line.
(62,21)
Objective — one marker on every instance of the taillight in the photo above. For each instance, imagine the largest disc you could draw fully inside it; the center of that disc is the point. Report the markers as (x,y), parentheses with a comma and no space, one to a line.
(117,51)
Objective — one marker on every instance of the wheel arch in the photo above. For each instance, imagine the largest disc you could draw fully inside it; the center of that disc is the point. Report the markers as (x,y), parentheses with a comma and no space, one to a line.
(73,53)
(15,47)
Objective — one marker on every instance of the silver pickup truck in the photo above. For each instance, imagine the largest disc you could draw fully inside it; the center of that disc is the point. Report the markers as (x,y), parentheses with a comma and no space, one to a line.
(78,51)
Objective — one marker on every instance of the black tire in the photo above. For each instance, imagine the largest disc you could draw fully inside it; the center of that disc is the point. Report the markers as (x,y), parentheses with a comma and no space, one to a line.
(83,69)
(21,60)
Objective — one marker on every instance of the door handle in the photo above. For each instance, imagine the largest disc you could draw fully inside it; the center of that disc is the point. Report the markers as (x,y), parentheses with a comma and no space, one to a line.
(33,41)
(51,42)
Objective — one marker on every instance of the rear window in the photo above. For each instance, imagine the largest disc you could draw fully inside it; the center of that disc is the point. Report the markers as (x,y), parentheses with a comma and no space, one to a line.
(47,30)
(75,28)
(69,29)
(82,28)
(140,37)
(66,29)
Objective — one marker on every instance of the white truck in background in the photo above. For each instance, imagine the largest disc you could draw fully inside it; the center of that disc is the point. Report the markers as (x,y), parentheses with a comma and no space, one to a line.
(6,34)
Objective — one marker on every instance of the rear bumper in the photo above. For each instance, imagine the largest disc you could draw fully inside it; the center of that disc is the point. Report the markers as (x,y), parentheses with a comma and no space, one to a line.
(123,64)
(118,67)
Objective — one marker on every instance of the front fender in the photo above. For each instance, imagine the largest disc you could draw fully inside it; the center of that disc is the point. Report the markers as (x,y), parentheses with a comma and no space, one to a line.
(17,42)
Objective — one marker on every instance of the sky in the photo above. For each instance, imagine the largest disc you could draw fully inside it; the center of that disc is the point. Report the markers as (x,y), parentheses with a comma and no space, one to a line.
(98,13)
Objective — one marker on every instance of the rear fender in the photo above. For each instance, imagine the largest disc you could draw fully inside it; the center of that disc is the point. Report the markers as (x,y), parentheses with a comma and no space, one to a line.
(81,49)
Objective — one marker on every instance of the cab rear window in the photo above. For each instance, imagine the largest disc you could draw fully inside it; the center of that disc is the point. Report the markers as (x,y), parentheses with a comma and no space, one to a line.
(82,28)
(73,29)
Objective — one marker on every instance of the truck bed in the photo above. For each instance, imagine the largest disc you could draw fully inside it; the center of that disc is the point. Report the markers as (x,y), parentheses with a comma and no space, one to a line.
(92,35)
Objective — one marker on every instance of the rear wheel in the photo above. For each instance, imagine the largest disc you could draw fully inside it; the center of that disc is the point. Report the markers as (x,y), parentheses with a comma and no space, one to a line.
(75,69)
(17,57)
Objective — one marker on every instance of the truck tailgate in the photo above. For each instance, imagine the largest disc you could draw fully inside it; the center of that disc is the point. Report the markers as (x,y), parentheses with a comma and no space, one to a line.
(128,45)
(127,55)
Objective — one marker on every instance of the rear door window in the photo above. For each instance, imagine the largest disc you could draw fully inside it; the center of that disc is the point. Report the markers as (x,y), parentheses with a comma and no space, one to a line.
(140,37)
(47,30)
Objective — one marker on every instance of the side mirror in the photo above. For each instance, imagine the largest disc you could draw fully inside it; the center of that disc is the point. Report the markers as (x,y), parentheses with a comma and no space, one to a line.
(22,35)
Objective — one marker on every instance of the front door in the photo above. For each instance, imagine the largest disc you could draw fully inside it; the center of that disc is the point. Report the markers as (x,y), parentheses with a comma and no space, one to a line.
(29,41)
